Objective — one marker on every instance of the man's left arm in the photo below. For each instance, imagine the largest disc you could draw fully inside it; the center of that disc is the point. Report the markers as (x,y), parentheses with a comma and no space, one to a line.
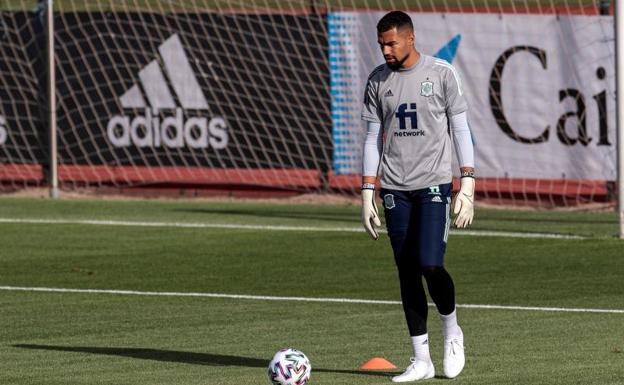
(463,207)
(456,107)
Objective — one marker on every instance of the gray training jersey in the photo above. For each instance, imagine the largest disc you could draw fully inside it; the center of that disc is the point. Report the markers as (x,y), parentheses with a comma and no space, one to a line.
(413,106)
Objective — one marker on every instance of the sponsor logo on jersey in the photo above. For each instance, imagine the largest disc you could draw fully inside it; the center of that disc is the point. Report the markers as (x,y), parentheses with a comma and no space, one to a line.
(409,133)
(165,121)
(406,114)
(388,93)
(3,130)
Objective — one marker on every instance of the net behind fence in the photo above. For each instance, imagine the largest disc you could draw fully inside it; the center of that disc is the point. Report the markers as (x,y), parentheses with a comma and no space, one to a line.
(267,94)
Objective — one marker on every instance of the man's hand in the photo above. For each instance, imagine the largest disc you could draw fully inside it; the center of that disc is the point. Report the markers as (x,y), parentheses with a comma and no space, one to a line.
(370,217)
(463,207)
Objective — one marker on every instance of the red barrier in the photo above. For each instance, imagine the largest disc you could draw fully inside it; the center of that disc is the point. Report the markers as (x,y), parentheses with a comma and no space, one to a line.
(553,192)
(21,173)
(278,178)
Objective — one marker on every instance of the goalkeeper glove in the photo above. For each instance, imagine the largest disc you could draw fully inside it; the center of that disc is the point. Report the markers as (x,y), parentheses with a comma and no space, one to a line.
(463,207)
(370,217)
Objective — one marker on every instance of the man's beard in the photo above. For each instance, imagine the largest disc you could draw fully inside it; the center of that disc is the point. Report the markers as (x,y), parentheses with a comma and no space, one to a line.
(397,64)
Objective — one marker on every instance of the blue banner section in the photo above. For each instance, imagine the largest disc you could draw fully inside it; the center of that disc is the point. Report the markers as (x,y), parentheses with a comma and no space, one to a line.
(344,105)
(449,51)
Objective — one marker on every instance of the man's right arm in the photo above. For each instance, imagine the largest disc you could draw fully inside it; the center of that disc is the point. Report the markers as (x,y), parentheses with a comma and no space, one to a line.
(373,145)
(370,159)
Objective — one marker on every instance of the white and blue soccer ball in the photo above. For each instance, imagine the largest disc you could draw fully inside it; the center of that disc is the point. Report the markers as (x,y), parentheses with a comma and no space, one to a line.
(289,367)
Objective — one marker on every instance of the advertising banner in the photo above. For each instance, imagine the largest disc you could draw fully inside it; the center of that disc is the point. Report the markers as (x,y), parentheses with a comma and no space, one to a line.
(540,88)
(205,90)
(22,106)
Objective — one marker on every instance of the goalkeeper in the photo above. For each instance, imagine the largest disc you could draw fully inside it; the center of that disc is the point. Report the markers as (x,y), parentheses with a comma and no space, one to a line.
(412,100)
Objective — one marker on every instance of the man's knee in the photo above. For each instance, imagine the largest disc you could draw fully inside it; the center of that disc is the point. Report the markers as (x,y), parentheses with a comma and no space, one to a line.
(434,272)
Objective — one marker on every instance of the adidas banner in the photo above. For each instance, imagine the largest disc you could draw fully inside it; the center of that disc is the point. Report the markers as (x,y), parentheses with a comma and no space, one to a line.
(23,138)
(540,89)
(137,92)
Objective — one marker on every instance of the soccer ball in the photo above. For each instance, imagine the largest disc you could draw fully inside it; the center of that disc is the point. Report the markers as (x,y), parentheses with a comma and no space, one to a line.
(289,367)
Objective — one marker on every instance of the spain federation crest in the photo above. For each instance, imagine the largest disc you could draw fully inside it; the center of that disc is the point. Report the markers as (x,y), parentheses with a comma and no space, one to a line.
(426,88)
(389,201)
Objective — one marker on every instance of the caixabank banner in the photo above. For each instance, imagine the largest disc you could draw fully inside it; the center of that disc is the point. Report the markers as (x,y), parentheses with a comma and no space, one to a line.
(540,88)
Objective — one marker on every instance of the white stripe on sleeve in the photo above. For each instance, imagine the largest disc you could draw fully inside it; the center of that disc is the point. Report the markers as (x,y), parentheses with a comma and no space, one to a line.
(446,64)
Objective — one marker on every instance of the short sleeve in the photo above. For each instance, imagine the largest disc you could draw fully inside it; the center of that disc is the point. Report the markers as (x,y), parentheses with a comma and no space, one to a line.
(370,108)
(455,101)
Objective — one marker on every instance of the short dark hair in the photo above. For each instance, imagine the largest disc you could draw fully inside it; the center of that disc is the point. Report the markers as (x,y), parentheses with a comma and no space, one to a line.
(394,19)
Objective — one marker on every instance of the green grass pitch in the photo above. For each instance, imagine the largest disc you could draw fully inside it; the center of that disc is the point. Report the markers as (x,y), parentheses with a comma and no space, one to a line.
(81,338)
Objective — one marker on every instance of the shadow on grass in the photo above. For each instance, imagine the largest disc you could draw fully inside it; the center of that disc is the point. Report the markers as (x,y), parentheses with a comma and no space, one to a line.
(184,357)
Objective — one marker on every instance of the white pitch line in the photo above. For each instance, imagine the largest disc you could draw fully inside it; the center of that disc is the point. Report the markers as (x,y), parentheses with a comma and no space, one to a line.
(177,224)
(296,299)
(504,234)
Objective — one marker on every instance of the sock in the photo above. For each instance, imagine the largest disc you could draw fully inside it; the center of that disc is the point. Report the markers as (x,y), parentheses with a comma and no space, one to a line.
(421,347)
(450,328)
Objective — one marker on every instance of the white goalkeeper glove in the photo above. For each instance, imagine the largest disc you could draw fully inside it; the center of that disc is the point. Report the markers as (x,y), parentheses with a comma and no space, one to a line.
(463,207)
(370,216)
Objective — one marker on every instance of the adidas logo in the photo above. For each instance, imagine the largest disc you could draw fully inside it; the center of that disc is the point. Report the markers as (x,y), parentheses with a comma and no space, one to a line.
(164,123)
(436,199)
(3,130)
(388,93)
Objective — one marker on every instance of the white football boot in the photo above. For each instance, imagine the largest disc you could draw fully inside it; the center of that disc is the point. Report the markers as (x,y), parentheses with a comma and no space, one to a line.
(454,359)
(417,370)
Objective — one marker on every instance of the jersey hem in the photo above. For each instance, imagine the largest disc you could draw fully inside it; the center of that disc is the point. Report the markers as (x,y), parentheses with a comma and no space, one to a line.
(413,188)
